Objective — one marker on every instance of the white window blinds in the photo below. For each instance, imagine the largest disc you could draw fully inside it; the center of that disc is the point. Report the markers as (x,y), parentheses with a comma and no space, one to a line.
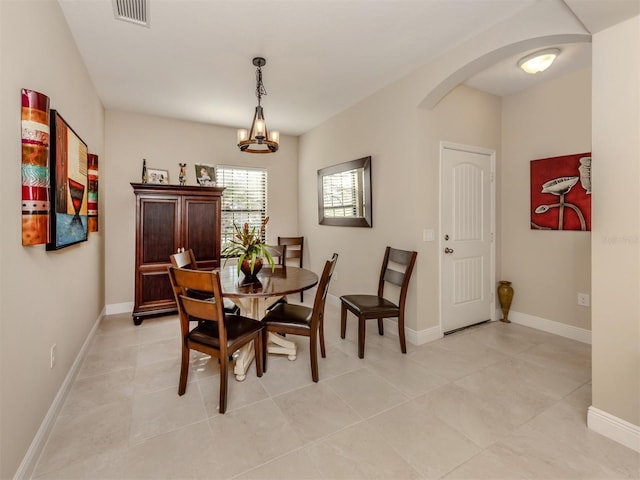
(244,199)
(341,194)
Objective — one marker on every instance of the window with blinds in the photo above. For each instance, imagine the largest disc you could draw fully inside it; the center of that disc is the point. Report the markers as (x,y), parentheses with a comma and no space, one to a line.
(244,199)
(341,194)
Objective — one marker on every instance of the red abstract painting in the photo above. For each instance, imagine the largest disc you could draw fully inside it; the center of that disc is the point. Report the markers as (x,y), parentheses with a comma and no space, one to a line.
(561,193)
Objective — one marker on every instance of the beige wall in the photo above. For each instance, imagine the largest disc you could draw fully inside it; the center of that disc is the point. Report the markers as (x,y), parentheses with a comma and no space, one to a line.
(164,143)
(616,221)
(47,297)
(403,141)
(548,268)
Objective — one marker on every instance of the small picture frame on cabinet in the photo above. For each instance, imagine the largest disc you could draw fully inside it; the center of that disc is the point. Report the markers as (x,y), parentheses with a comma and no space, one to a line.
(205,175)
(157,176)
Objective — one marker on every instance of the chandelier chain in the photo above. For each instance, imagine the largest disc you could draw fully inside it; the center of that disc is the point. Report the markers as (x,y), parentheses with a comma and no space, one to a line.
(260,90)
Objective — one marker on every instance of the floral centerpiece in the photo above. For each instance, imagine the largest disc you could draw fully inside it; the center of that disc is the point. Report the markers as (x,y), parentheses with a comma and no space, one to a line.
(249,247)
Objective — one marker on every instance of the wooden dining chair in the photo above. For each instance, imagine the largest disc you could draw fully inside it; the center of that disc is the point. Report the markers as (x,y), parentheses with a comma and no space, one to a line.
(287,318)
(367,307)
(295,251)
(187,259)
(218,334)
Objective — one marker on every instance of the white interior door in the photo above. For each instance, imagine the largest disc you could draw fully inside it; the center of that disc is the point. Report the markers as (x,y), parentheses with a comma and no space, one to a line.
(466,235)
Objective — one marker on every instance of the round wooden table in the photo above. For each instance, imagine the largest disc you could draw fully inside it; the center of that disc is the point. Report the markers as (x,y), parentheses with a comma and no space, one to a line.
(254,298)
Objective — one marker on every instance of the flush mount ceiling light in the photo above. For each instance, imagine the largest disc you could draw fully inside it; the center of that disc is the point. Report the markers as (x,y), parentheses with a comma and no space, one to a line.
(259,139)
(538,61)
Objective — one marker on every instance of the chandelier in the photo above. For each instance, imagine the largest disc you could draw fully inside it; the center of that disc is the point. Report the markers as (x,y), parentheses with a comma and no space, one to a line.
(258,139)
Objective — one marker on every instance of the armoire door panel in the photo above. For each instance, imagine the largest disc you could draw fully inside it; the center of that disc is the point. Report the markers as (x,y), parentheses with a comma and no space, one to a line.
(202,221)
(156,287)
(159,230)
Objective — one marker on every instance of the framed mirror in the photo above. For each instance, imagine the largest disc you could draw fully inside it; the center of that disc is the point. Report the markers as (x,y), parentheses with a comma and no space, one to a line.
(344,194)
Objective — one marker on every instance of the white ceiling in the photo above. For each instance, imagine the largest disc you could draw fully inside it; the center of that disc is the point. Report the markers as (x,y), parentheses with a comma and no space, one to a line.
(193,61)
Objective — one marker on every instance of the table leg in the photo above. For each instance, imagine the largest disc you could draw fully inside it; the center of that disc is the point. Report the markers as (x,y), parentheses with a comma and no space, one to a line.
(255,307)
(280,345)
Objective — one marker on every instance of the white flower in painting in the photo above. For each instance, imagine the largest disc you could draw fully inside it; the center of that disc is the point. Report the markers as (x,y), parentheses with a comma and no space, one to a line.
(559,186)
(585,173)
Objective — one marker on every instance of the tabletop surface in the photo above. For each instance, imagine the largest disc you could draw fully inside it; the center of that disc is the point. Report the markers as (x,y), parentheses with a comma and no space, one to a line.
(284,280)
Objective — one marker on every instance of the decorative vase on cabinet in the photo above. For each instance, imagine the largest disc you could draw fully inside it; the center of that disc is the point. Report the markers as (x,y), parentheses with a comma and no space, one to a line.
(505,295)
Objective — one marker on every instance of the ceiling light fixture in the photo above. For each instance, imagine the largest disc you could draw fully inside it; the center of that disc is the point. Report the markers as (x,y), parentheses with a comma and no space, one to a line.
(538,61)
(259,139)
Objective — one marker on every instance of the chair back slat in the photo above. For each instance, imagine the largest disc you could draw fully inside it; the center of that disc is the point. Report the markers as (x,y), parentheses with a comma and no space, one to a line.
(323,289)
(393,276)
(184,259)
(201,309)
(402,258)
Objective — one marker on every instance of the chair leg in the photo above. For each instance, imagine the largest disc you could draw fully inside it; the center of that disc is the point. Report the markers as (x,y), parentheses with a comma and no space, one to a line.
(403,342)
(184,370)
(380,326)
(343,321)
(313,342)
(224,379)
(264,336)
(257,343)
(362,331)
(323,351)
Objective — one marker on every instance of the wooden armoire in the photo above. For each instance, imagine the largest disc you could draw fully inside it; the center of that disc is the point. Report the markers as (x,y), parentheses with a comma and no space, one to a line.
(169,218)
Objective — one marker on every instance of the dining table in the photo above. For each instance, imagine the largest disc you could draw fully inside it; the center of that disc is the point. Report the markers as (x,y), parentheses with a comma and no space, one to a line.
(255,296)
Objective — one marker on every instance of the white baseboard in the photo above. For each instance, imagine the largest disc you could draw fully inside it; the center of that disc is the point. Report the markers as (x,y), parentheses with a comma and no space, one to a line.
(28,464)
(614,428)
(416,337)
(115,308)
(557,328)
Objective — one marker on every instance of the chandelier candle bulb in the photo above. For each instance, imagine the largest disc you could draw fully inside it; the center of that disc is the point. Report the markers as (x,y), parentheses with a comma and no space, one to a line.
(242,135)
(260,128)
(274,136)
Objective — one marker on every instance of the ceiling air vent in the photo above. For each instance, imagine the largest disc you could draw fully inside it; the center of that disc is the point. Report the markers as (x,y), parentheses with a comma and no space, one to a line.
(134,11)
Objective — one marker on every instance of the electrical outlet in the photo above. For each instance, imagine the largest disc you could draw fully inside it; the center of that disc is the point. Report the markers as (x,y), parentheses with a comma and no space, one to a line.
(583,299)
(52,362)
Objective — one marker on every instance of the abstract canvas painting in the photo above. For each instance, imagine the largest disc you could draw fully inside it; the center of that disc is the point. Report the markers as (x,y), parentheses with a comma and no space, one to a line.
(68,170)
(561,193)
(35,168)
(92,198)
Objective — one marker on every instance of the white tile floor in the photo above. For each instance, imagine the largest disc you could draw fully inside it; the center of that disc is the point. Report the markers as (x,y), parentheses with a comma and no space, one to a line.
(496,401)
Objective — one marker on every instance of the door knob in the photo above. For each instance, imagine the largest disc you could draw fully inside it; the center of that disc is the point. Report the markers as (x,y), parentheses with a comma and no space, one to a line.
(448,250)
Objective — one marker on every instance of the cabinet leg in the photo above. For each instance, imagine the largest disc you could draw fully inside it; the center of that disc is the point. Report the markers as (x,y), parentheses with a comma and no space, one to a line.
(137,319)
